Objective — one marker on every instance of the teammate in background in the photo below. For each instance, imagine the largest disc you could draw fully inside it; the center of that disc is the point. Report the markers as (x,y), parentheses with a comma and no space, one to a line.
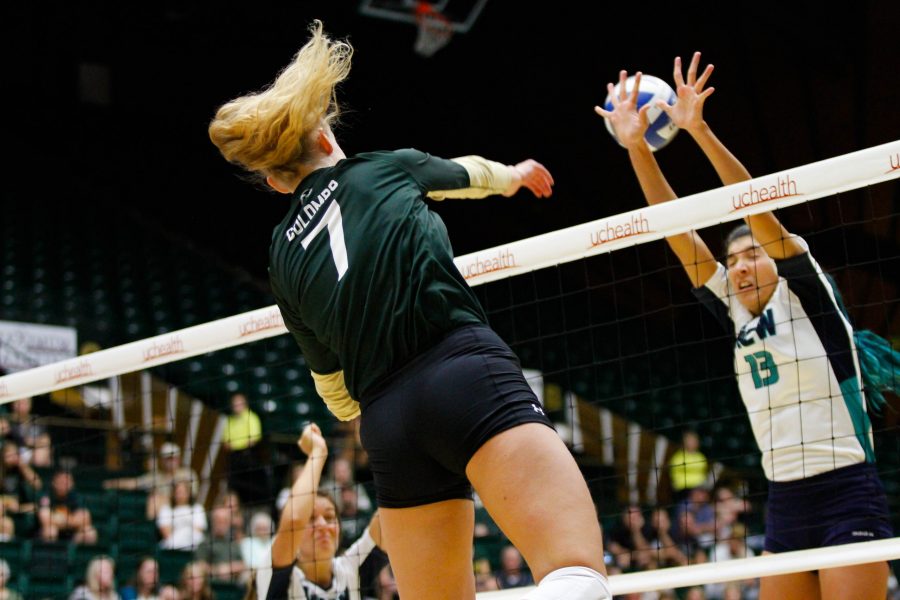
(364,276)
(302,559)
(797,366)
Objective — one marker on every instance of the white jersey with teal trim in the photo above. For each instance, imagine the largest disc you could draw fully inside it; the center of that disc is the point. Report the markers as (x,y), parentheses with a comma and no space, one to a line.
(797,372)
(290,582)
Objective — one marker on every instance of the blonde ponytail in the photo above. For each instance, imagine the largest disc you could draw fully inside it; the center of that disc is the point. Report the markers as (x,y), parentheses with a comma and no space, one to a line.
(269,132)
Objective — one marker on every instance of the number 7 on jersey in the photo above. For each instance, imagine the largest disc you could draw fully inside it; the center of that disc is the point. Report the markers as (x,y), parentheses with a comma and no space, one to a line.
(333,221)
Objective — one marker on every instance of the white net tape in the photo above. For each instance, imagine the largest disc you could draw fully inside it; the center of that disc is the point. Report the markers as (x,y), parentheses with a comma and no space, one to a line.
(778,190)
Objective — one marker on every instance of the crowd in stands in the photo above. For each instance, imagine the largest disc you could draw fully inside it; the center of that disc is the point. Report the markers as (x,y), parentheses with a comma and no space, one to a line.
(223,543)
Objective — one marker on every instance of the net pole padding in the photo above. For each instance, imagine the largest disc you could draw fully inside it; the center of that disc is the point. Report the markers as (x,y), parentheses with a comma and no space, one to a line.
(809,182)
(761,194)
(739,568)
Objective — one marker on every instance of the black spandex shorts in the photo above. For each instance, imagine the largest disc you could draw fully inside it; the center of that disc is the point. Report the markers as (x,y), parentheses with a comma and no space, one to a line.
(421,427)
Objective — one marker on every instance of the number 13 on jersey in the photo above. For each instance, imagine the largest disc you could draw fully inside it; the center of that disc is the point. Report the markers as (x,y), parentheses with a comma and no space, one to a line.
(762,368)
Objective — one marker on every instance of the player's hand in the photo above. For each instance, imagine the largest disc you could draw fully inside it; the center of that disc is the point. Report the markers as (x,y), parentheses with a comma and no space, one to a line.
(533,176)
(687,112)
(629,123)
(312,442)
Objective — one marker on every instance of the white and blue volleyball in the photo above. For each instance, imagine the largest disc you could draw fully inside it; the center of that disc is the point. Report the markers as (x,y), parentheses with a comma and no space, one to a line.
(661,129)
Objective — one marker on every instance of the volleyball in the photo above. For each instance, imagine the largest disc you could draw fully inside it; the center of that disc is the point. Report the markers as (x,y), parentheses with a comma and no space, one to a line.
(661,129)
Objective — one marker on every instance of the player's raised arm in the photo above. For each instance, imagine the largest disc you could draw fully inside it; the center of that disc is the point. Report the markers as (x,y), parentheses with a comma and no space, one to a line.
(687,114)
(296,514)
(630,125)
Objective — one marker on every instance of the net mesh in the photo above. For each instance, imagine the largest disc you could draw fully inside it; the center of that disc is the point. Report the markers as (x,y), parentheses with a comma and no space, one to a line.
(623,357)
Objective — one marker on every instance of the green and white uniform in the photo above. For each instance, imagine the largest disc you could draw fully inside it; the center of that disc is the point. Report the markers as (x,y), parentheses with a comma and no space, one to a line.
(363,271)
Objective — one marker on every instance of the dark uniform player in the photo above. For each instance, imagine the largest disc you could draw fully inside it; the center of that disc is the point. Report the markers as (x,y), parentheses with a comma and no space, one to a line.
(364,277)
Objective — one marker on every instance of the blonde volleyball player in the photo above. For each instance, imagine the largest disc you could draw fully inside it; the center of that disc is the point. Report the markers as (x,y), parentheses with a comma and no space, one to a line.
(795,362)
(364,276)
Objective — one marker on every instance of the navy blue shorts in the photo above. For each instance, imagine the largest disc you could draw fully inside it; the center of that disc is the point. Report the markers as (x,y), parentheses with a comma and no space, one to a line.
(423,425)
(843,506)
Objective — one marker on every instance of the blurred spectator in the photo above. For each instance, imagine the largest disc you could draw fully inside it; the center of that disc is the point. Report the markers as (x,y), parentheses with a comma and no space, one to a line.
(182,524)
(353,520)
(695,593)
(159,480)
(145,581)
(688,468)
(695,522)
(735,546)
(231,500)
(42,453)
(62,514)
(100,581)
(19,487)
(5,576)
(255,547)
(667,552)
(24,426)
(484,577)
(220,550)
(341,477)
(195,582)
(169,592)
(513,572)
(627,541)
(248,474)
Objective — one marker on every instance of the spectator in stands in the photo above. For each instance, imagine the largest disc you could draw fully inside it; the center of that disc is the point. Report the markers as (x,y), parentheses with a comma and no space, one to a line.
(233,502)
(353,520)
(195,584)
(484,576)
(182,524)
(19,486)
(627,541)
(5,576)
(100,581)
(733,546)
(513,573)
(247,473)
(25,427)
(695,593)
(666,551)
(145,582)
(695,522)
(62,514)
(219,549)
(255,547)
(169,592)
(159,479)
(688,467)
(341,477)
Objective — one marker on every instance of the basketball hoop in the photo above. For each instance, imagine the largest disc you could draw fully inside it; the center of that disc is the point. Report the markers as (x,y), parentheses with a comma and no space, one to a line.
(435,30)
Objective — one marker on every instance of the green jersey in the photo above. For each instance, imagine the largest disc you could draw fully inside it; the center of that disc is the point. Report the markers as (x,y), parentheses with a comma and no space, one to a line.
(363,271)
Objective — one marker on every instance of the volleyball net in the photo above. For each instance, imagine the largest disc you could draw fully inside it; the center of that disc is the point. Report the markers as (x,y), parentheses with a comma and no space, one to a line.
(622,356)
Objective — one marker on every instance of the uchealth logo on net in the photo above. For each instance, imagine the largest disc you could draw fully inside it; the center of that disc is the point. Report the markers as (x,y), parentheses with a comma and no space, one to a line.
(784,187)
(611,231)
(4,391)
(503,259)
(894,159)
(173,345)
(271,320)
(77,371)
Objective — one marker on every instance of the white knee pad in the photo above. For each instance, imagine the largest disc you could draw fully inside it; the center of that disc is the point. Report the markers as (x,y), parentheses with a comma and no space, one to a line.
(572,583)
